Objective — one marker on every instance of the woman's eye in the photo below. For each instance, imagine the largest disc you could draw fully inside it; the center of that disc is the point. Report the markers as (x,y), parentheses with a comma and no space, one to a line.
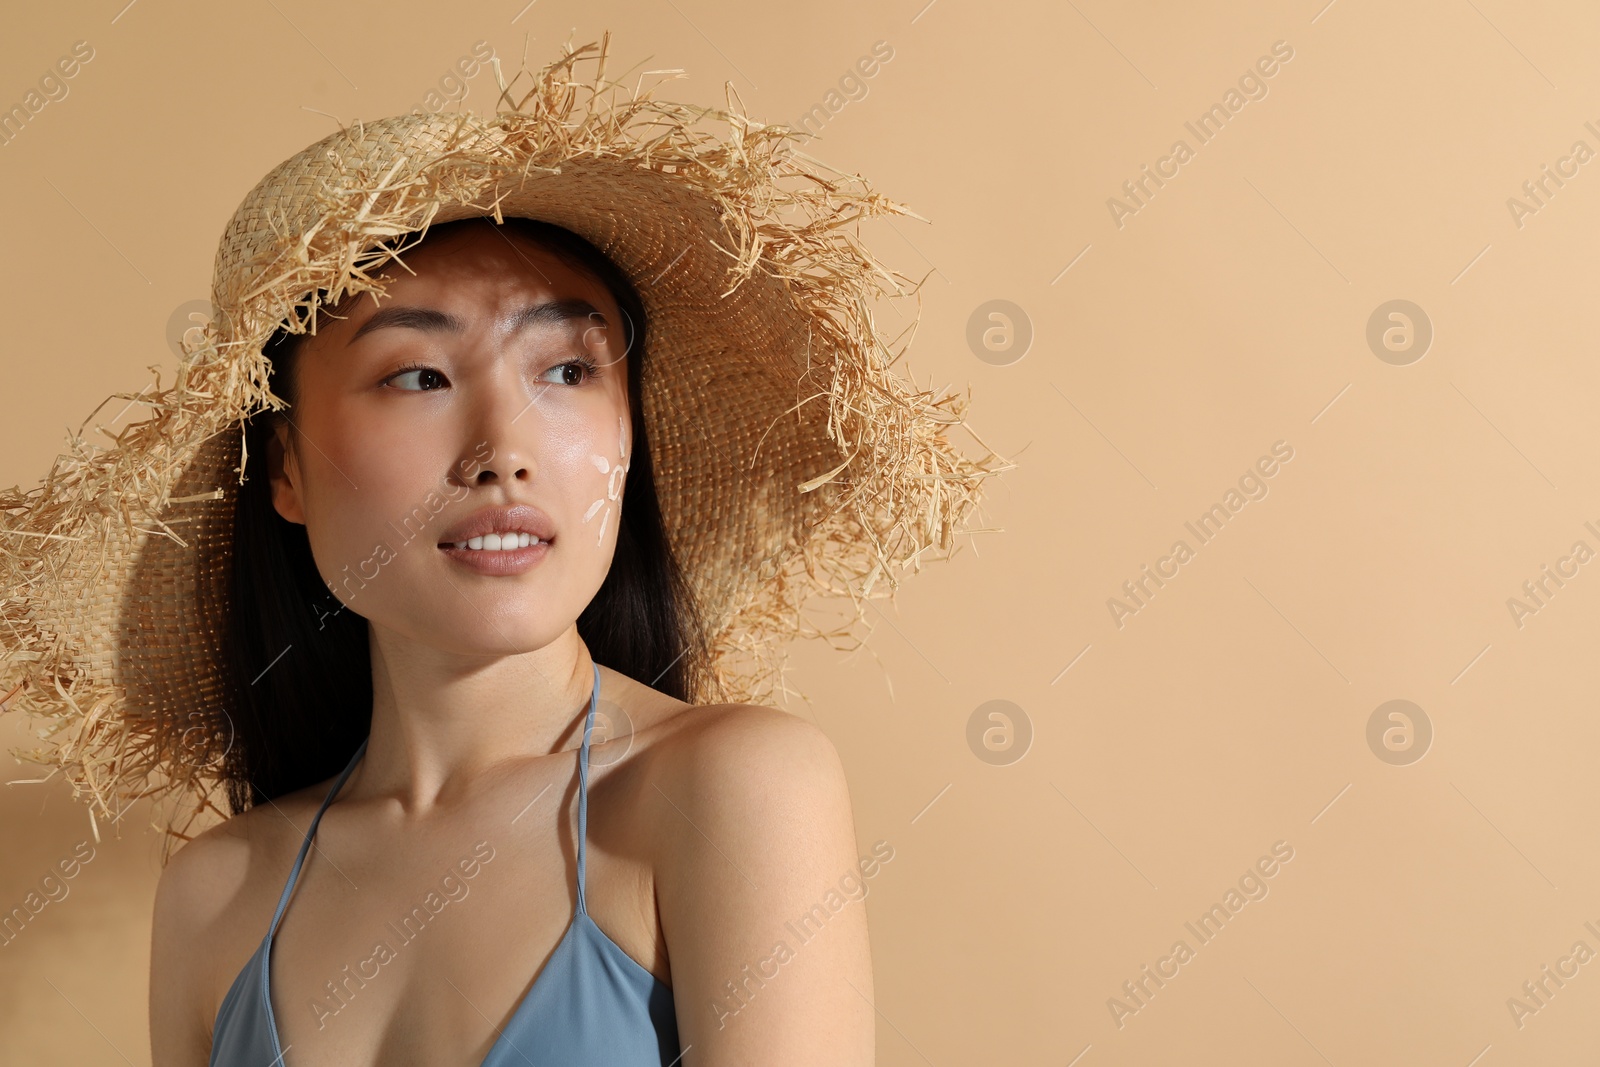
(571,373)
(426,379)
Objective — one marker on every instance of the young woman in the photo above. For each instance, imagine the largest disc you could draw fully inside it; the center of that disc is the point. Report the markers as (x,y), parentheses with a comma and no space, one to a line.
(463,654)
(453,908)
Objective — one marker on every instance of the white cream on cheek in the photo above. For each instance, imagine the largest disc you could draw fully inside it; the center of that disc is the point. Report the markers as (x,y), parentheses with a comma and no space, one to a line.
(617,473)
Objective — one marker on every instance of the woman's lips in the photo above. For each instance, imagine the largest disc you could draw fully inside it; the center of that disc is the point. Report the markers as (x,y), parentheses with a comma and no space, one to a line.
(498,561)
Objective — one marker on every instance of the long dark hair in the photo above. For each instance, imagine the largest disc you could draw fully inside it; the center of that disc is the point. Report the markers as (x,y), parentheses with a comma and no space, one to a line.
(299,672)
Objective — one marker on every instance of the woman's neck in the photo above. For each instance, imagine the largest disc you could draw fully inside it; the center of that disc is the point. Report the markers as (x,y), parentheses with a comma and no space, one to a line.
(441,719)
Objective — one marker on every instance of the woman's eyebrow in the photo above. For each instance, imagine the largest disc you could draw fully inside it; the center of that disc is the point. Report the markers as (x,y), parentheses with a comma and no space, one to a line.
(550,312)
(555,313)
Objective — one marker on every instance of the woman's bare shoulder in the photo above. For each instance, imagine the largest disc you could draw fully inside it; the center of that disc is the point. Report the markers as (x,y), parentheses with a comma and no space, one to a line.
(701,732)
(210,869)
(217,884)
(725,762)
(742,764)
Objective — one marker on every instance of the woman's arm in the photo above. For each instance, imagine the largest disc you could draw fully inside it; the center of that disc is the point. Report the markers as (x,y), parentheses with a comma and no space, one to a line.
(761,896)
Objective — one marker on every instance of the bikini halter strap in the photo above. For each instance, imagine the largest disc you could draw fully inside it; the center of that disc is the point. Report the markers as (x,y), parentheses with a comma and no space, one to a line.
(583,786)
(311,830)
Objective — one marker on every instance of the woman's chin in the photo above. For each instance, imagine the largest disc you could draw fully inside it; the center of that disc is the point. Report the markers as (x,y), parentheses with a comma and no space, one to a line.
(489,635)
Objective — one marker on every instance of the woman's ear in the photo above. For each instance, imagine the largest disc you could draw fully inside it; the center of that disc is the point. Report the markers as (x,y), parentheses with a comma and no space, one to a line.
(284,474)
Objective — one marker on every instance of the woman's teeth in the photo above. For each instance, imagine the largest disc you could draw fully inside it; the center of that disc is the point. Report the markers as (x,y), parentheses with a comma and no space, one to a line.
(499,542)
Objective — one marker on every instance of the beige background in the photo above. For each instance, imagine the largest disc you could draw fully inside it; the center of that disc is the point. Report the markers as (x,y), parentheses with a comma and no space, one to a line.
(1228,313)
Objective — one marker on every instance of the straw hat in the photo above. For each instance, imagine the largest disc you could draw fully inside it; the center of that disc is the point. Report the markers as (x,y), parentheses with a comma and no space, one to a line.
(790,460)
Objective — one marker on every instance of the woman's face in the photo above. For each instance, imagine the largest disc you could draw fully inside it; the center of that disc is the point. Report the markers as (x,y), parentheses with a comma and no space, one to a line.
(494,375)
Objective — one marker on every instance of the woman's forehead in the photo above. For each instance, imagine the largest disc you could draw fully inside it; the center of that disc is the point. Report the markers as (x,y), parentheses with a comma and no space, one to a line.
(486,258)
(474,271)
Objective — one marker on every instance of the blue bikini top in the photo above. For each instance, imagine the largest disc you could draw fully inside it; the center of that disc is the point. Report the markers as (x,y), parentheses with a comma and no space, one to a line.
(592,1006)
